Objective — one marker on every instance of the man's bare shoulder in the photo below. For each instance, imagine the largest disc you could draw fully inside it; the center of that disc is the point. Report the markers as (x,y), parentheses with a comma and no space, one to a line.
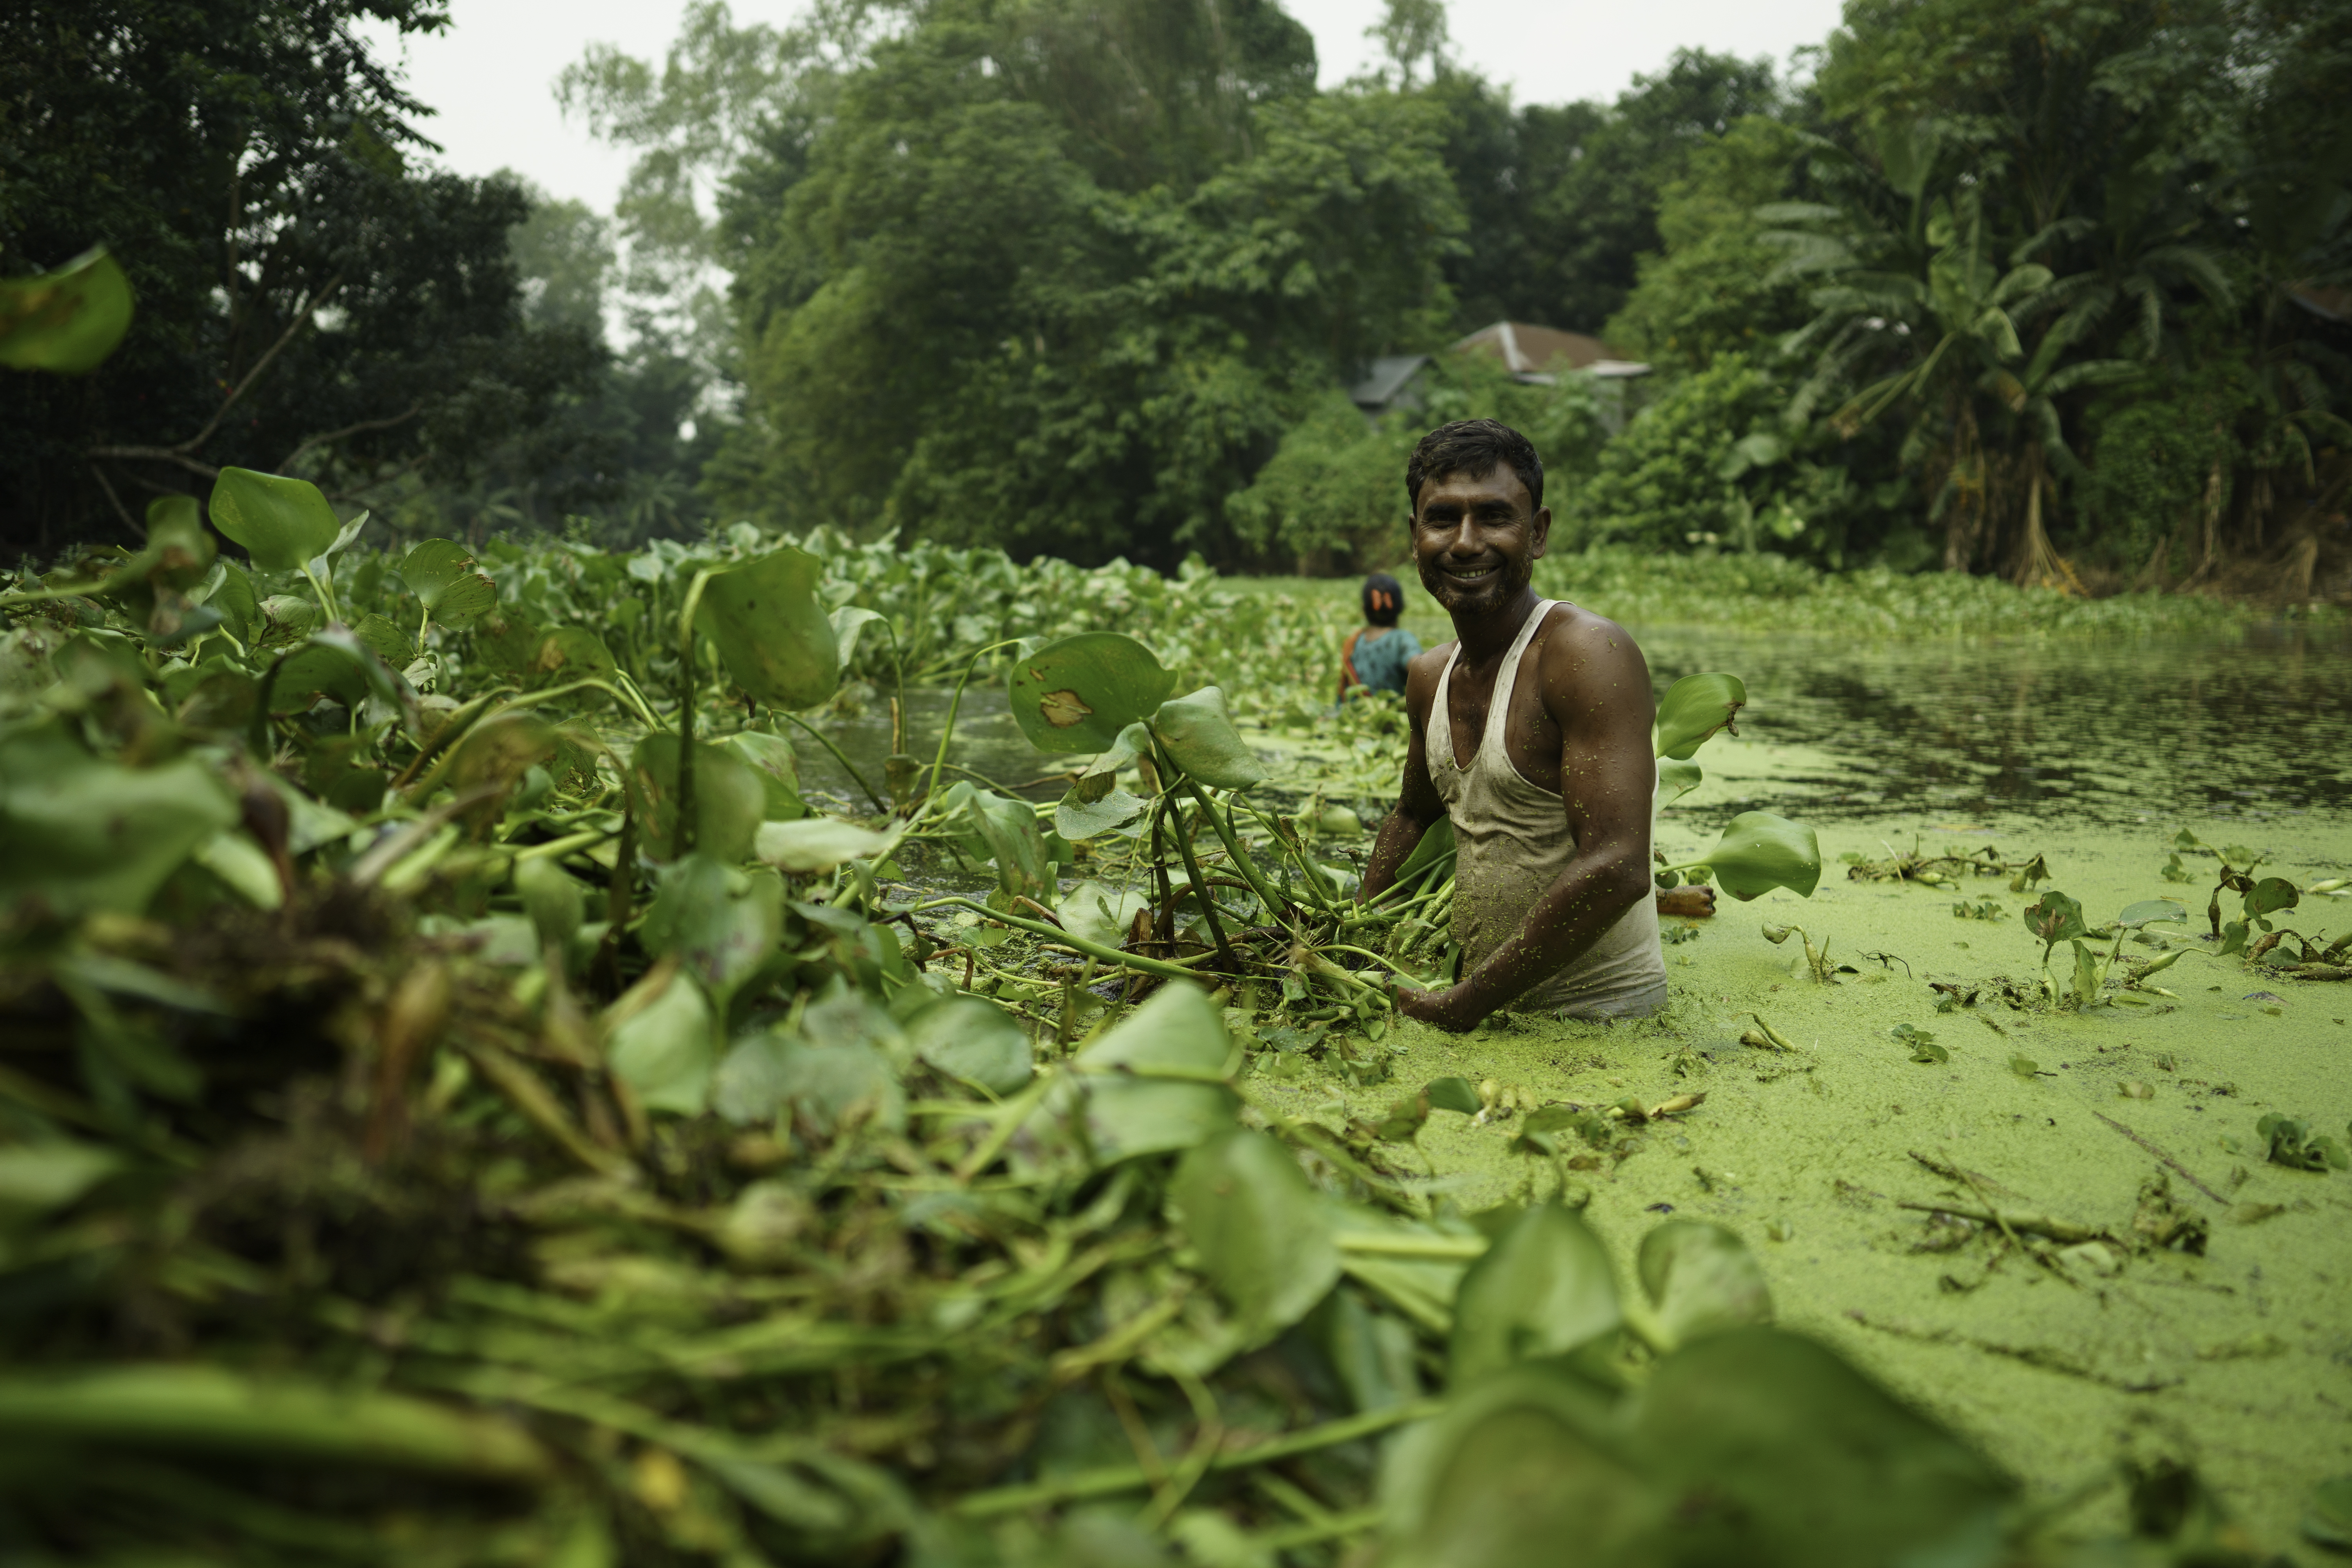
(1421,675)
(1424,668)
(1590,656)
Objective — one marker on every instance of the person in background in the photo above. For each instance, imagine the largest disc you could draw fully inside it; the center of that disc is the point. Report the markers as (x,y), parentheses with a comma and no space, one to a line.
(1376,656)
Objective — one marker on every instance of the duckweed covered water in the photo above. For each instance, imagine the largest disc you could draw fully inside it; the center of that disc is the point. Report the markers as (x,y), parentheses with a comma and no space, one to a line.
(2094,756)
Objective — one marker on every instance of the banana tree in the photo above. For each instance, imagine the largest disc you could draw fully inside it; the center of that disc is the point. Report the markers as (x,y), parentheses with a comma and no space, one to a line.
(1915,313)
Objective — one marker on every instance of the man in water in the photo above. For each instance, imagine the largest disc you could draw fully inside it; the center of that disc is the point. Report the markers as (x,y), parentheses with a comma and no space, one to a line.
(1547,774)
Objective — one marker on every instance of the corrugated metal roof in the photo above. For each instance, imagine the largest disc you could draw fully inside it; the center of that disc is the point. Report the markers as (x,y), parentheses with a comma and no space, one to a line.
(1384,378)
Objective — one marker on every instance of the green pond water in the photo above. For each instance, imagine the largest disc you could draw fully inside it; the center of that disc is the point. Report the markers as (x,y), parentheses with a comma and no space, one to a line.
(2095,756)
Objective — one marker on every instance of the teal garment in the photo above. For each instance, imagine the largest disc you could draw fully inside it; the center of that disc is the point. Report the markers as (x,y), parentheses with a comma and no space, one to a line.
(1381,665)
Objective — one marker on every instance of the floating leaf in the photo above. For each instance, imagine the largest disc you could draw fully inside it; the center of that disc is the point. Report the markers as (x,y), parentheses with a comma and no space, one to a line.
(1007,829)
(1759,852)
(1078,817)
(1526,1470)
(815,844)
(67,321)
(284,524)
(723,925)
(849,624)
(1263,1233)
(37,1177)
(1543,1288)
(1099,913)
(2151,912)
(1201,738)
(1437,844)
(2327,1520)
(1702,1279)
(775,636)
(1150,1084)
(974,1041)
(730,798)
(661,1046)
(1078,693)
(773,759)
(1697,707)
(441,574)
(1804,1460)
(2086,974)
(2054,917)
(569,653)
(1452,1094)
(553,898)
(82,834)
(2270,895)
(1675,780)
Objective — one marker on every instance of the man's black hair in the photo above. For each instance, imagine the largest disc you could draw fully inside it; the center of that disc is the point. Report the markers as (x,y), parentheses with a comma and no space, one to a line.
(1384,600)
(1473,446)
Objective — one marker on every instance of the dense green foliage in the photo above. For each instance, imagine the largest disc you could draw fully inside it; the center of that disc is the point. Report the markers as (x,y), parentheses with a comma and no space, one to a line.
(428,1097)
(309,291)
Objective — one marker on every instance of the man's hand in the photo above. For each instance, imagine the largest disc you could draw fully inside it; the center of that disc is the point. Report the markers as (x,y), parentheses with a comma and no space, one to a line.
(1447,1009)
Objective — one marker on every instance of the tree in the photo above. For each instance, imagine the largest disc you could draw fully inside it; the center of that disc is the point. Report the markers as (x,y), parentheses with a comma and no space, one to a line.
(978,306)
(1716,285)
(1562,200)
(309,294)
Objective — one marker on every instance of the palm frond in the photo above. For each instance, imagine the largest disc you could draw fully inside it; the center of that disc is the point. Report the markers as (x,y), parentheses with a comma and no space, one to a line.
(1797,212)
(2199,266)
(2066,229)
(2095,373)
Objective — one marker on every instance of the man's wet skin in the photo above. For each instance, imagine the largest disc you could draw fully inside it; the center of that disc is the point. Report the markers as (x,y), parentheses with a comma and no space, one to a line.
(1579,729)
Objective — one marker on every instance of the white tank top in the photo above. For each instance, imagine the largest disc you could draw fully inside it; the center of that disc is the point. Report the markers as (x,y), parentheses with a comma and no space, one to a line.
(1514,840)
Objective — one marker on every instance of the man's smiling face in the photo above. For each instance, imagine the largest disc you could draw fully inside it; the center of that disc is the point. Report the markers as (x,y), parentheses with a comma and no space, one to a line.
(1476,539)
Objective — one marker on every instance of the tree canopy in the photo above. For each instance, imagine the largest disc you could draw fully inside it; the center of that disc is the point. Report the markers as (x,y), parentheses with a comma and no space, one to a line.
(309,292)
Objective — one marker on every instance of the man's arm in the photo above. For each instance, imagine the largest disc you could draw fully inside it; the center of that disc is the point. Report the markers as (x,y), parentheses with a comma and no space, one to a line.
(1596,687)
(1419,806)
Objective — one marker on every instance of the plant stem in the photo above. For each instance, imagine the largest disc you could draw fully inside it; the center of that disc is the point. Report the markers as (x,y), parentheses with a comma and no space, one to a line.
(683,839)
(847,767)
(1200,889)
(1165,971)
(954,705)
(1114,1479)
(1231,841)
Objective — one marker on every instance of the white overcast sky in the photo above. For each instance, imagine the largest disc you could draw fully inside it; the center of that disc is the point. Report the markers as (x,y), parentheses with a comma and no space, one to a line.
(491,74)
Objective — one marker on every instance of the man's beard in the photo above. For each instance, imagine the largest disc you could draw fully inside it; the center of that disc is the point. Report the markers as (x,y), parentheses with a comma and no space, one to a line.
(1492,593)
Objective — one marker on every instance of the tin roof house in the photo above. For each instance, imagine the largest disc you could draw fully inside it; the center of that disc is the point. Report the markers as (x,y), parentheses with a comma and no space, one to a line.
(1536,355)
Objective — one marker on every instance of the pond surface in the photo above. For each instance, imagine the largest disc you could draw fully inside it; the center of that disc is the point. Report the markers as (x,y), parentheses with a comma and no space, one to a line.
(2105,733)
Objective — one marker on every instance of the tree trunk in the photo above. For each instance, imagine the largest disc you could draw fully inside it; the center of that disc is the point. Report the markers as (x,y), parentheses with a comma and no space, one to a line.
(1964,518)
(2039,566)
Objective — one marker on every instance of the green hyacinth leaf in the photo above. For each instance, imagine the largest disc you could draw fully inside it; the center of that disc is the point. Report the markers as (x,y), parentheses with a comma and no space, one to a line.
(1263,1233)
(1677,780)
(1759,852)
(1077,694)
(67,321)
(1198,735)
(772,758)
(441,574)
(1803,1459)
(1696,707)
(1523,1470)
(1701,1280)
(1543,1288)
(775,638)
(283,523)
